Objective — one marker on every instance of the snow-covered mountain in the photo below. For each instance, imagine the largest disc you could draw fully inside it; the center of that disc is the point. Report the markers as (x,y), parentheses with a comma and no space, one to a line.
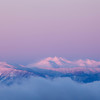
(52,67)
(10,73)
(59,62)
(65,66)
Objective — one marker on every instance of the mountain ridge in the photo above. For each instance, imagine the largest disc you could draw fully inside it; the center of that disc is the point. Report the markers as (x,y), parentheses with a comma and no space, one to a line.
(52,67)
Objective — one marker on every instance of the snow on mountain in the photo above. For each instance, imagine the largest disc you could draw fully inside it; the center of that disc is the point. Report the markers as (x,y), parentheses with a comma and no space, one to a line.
(5,68)
(79,70)
(10,73)
(5,65)
(50,62)
(87,63)
(84,71)
(59,62)
(63,65)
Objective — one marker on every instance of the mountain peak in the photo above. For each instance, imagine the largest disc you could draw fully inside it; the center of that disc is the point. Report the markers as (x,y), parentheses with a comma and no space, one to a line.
(5,65)
(59,62)
(47,62)
(53,58)
(51,62)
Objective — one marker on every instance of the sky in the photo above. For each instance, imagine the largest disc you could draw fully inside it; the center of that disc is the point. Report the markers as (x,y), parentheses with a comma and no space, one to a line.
(34,29)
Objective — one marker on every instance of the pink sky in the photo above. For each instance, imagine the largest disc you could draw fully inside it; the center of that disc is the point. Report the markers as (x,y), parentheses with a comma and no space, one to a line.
(32,29)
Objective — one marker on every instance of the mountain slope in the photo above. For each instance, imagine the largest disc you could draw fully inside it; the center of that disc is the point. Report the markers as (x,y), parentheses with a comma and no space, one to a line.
(79,70)
(62,65)
(50,62)
(9,73)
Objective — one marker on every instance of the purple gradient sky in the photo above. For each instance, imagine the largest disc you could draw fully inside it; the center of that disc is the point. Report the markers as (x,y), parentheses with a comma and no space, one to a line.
(32,29)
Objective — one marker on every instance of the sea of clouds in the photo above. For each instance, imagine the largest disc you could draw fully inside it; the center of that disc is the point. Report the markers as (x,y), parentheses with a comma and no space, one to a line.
(37,88)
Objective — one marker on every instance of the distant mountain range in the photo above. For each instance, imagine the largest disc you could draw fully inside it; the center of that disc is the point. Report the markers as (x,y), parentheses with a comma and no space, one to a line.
(83,71)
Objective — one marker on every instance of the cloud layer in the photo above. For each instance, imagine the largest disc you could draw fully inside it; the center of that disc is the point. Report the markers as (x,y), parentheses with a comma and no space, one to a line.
(44,89)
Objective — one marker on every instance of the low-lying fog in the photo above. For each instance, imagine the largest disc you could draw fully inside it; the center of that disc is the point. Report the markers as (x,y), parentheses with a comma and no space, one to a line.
(45,89)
